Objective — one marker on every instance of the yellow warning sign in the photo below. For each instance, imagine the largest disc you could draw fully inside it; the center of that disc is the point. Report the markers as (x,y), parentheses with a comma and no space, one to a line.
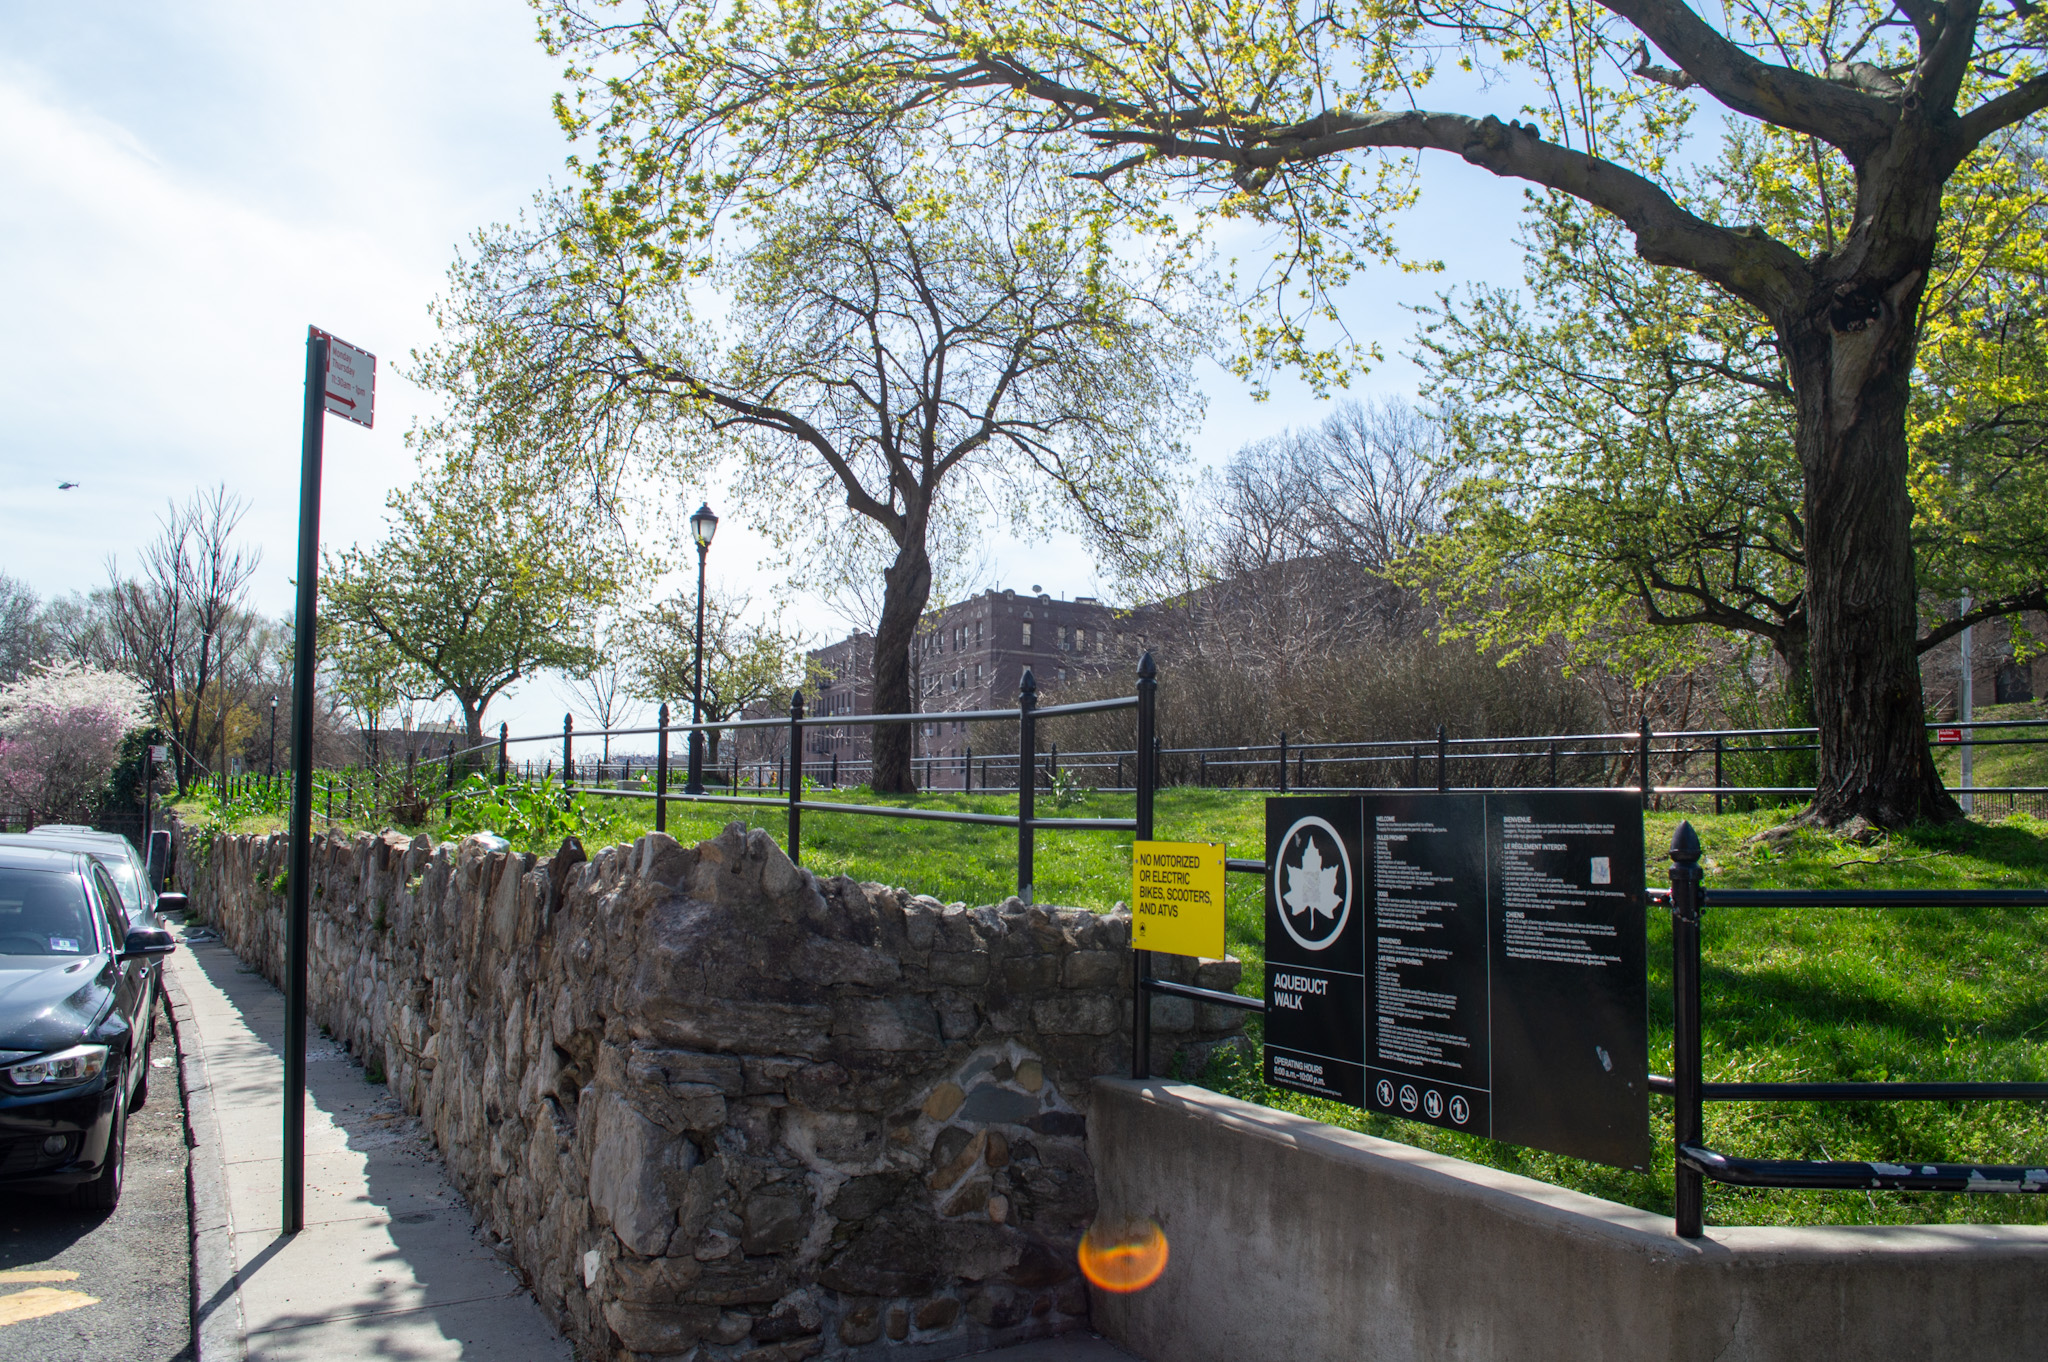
(1177,898)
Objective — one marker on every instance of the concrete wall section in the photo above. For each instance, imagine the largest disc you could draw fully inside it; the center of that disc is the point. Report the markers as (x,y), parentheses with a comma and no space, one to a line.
(1292,1239)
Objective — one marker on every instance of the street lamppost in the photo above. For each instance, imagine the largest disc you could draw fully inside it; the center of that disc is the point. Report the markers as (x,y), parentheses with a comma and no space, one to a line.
(273,735)
(702,526)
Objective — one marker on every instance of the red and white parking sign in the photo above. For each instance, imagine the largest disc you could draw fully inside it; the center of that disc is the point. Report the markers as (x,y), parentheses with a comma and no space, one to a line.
(351,390)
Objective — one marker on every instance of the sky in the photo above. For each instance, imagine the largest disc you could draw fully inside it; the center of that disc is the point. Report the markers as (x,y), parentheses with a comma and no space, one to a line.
(184,188)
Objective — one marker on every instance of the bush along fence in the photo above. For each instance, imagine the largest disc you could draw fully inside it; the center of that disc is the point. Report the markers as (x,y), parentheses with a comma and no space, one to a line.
(407,790)
(1026,822)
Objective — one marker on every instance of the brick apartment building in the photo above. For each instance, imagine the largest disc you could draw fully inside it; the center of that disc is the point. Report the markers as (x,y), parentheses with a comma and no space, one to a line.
(968,656)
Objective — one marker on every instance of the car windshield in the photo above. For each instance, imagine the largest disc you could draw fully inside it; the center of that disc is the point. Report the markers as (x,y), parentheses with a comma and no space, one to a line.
(121,871)
(44,912)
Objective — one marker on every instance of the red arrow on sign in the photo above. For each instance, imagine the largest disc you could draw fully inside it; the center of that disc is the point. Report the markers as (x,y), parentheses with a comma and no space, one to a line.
(339,398)
(1948,735)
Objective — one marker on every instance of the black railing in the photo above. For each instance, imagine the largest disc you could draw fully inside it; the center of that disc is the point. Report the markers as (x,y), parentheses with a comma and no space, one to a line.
(1696,1163)
(791,769)
(408,785)
(1707,764)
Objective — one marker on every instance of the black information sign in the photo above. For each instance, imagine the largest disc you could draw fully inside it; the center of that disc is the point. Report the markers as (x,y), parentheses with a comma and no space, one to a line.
(1429,1041)
(1475,961)
(1315,948)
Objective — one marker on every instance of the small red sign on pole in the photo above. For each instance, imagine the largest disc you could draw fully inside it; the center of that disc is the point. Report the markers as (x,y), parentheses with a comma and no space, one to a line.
(1948,735)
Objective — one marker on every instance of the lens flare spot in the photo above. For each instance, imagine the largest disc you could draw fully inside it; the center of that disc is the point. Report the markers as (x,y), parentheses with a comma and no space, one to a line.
(1123,1256)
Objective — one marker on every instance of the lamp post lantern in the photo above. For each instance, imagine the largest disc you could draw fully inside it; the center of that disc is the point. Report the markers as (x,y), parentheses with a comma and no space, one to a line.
(702,526)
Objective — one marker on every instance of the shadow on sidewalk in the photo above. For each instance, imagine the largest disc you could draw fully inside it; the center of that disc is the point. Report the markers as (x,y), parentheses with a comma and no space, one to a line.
(390,1262)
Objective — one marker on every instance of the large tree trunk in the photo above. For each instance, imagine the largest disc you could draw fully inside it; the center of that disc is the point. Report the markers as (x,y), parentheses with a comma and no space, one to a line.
(1852,358)
(905,588)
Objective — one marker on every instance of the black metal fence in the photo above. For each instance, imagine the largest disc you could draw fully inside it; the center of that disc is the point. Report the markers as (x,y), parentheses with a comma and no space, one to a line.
(1696,1163)
(407,788)
(1711,766)
(793,770)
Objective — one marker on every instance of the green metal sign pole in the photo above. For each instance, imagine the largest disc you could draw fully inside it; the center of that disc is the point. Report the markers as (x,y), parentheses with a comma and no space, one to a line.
(341,379)
(298,876)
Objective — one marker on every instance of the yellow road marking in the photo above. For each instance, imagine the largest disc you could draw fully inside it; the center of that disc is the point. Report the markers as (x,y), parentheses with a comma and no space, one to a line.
(38,1301)
(38,1274)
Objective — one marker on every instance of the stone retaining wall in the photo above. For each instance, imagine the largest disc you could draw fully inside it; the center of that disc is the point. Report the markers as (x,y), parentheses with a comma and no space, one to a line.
(716,1107)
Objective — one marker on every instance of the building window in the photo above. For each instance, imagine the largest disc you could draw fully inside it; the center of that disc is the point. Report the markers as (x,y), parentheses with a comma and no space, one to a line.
(1080,640)
(1063,673)
(1027,633)
(977,631)
(977,673)
(1063,638)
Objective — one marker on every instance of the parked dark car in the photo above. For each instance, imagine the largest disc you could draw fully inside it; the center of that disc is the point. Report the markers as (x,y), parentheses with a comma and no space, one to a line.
(75,979)
(124,865)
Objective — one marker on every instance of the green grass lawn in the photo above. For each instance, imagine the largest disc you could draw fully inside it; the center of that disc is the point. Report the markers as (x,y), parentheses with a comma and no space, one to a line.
(1811,995)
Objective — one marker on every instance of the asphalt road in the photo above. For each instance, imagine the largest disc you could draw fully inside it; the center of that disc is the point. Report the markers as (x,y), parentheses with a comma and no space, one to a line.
(130,1298)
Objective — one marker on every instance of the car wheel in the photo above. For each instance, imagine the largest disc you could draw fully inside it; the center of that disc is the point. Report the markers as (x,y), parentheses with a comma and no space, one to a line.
(103,1193)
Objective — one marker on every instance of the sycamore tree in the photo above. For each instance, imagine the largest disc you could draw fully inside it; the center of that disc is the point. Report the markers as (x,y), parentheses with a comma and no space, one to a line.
(908,336)
(476,586)
(1310,117)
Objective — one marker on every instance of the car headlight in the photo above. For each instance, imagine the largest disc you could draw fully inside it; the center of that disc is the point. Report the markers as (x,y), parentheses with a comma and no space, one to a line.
(76,1065)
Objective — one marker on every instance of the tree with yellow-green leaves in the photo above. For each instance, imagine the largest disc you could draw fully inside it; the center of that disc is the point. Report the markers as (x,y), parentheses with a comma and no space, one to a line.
(476,586)
(913,336)
(1310,118)
(1625,439)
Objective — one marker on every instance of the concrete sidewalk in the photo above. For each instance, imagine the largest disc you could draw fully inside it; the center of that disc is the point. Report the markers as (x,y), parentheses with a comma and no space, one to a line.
(390,1263)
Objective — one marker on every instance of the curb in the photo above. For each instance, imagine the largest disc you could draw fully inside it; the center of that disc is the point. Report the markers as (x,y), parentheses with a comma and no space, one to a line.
(218,1332)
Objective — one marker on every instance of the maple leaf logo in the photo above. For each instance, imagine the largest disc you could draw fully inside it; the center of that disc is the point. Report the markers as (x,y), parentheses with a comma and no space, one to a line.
(1312,889)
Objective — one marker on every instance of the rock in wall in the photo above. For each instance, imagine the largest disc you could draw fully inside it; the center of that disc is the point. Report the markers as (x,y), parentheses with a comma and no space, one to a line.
(716,1107)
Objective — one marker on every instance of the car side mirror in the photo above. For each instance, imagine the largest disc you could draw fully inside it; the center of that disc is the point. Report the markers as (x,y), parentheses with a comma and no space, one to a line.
(173,903)
(147,942)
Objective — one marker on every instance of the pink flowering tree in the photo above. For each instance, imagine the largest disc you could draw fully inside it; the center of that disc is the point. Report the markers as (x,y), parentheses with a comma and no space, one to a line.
(60,732)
